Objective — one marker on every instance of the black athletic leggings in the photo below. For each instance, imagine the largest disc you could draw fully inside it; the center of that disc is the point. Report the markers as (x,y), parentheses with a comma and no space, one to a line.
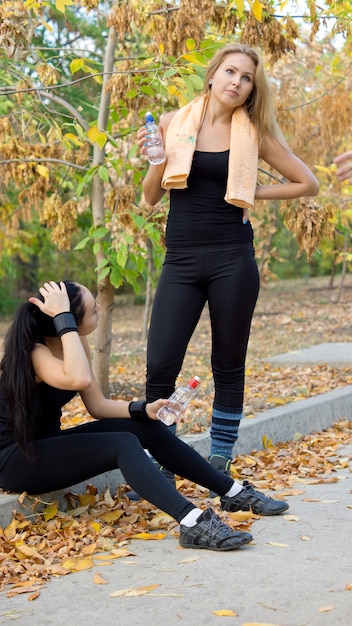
(79,453)
(227,277)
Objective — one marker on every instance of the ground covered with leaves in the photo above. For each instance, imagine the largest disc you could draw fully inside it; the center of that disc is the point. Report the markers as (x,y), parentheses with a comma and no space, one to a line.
(97,527)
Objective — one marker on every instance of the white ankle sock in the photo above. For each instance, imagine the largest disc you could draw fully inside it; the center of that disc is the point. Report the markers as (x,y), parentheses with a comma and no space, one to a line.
(235,490)
(191,518)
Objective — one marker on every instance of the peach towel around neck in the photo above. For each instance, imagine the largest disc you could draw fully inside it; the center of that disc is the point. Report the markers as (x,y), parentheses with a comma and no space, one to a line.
(180,144)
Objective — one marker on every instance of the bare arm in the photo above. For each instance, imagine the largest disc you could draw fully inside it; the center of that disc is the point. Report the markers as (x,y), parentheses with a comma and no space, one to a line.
(299,180)
(153,192)
(344,171)
(100,407)
(72,370)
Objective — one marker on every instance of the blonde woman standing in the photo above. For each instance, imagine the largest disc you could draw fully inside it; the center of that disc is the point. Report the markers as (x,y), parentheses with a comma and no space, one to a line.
(212,149)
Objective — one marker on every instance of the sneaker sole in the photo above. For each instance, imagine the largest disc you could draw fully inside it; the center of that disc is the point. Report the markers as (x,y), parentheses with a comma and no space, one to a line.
(249,509)
(221,548)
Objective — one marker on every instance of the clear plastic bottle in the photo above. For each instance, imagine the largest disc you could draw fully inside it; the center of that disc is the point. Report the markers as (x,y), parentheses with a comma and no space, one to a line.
(154,142)
(178,401)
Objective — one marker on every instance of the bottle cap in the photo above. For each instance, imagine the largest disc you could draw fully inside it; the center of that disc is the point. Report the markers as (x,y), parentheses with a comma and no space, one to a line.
(148,117)
(194,382)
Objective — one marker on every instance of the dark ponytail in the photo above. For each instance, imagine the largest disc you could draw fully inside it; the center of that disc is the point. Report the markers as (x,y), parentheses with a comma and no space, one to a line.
(29,327)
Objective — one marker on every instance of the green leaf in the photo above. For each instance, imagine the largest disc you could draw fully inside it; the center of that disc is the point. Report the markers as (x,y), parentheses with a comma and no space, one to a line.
(100,232)
(197,81)
(139,220)
(82,244)
(76,65)
(116,278)
(132,93)
(103,263)
(103,173)
(147,89)
(121,256)
(196,59)
(190,44)
(170,72)
(189,87)
(103,273)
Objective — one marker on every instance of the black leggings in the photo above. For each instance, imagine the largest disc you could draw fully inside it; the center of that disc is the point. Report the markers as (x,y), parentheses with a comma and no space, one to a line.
(226,277)
(79,453)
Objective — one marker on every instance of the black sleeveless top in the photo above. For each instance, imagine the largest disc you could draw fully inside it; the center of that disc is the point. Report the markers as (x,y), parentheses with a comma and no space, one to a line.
(199,215)
(51,401)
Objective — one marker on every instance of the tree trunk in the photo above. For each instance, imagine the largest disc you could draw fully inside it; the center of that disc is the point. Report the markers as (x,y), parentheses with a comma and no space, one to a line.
(148,292)
(266,250)
(102,338)
(333,266)
(344,270)
(103,335)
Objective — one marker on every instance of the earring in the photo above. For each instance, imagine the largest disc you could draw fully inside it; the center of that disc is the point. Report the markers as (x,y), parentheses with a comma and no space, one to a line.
(210,82)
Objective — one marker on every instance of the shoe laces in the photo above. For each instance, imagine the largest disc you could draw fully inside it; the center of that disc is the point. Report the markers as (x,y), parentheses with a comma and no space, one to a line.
(253,492)
(215,524)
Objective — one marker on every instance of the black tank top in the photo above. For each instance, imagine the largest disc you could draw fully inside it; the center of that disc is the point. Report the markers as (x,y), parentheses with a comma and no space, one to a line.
(51,401)
(199,215)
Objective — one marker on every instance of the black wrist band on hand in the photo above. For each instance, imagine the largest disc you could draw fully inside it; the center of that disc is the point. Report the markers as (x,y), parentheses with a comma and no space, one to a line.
(64,323)
(137,410)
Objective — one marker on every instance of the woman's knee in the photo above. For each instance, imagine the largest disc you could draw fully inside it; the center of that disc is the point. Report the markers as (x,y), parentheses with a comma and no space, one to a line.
(126,439)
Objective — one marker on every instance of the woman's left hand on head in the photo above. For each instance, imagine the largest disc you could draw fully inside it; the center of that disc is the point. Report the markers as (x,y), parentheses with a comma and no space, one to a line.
(55,296)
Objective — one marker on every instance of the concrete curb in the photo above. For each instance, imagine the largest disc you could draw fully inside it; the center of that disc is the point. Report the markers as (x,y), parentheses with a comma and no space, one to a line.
(280,424)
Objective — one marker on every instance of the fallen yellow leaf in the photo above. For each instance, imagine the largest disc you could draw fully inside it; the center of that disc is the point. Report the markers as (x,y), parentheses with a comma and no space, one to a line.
(120,592)
(28,551)
(111,516)
(291,518)
(90,549)
(243,516)
(99,580)
(119,552)
(160,518)
(147,536)
(225,613)
(33,596)
(78,564)
(141,591)
(278,545)
(50,511)
(190,559)
(131,592)
(348,587)
(326,609)
(259,624)
(19,590)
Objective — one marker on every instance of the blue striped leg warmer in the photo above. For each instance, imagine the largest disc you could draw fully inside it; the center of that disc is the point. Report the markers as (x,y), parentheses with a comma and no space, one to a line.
(224,430)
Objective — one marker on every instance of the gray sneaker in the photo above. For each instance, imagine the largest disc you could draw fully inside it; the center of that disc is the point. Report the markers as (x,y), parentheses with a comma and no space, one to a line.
(251,500)
(222,464)
(211,533)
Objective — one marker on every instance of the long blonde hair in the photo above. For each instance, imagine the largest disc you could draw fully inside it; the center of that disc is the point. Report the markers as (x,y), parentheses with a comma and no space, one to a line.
(260,103)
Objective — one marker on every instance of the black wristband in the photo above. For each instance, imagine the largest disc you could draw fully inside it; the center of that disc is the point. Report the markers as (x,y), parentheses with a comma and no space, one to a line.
(137,410)
(65,323)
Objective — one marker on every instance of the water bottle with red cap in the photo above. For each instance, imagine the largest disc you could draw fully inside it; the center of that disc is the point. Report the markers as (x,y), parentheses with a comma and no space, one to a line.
(178,402)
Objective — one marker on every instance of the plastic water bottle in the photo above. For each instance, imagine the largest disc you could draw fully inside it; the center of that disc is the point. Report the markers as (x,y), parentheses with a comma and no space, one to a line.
(178,402)
(154,142)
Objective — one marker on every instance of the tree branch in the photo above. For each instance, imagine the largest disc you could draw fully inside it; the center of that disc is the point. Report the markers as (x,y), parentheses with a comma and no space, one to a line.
(66,105)
(81,168)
